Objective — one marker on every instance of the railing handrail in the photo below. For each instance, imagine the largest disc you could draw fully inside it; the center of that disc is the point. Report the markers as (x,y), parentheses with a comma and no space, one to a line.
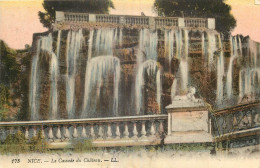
(151,21)
(87,120)
(236,108)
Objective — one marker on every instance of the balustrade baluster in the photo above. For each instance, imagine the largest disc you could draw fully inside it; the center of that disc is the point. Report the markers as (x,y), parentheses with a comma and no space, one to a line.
(135,133)
(58,133)
(34,131)
(83,133)
(109,131)
(42,132)
(161,129)
(152,130)
(26,134)
(126,133)
(100,131)
(92,133)
(117,131)
(143,131)
(50,135)
(66,132)
(75,131)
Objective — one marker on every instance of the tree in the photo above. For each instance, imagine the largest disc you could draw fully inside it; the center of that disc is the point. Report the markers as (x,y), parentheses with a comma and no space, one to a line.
(87,6)
(217,9)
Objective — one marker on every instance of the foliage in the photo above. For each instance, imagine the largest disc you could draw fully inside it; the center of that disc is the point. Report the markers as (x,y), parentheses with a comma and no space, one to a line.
(17,143)
(14,143)
(90,6)
(9,68)
(217,9)
(82,146)
(38,144)
(25,77)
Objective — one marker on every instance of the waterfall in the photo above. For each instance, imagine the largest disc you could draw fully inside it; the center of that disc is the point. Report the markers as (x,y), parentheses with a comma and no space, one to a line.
(220,72)
(173,88)
(148,40)
(211,48)
(168,44)
(120,37)
(105,41)
(182,52)
(34,84)
(233,55)
(90,43)
(149,67)
(179,45)
(97,72)
(74,40)
(54,71)
(43,44)
(54,94)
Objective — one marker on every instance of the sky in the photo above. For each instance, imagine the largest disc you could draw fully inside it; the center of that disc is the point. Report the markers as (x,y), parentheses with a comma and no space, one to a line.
(19,18)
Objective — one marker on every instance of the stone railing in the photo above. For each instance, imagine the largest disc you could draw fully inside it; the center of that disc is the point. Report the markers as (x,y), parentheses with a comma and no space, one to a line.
(152,22)
(239,121)
(76,17)
(136,20)
(195,22)
(103,132)
(107,19)
(166,21)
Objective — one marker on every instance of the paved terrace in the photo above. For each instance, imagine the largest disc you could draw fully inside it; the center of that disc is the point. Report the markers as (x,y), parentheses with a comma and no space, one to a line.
(152,22)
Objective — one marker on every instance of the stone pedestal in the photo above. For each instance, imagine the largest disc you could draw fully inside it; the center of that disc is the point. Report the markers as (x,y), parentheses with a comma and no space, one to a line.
(188,125)
(188,121)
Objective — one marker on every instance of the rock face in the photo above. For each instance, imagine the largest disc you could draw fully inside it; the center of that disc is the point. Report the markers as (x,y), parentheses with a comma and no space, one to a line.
(148,68)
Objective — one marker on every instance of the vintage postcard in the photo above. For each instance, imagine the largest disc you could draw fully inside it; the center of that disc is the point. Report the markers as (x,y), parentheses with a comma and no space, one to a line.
(129,83)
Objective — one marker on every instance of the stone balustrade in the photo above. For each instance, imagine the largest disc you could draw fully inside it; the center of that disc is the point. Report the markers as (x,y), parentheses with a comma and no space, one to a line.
(195,22)
(166,21)
(105,132)
(152,22)
(76,17)
(240,121)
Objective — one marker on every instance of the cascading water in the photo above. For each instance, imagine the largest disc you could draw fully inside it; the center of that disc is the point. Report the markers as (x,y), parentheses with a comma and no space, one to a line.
(74,42)
(98,71)
(173,89)
(54,95)
(220,72)
(233,55)
(148,40)
(34,84)
(168,44)
(105,40)
(101,41)
(43,44)
(54,70)
(107,56)
(149,68)
(182,54)
(249,74)
(211,48)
